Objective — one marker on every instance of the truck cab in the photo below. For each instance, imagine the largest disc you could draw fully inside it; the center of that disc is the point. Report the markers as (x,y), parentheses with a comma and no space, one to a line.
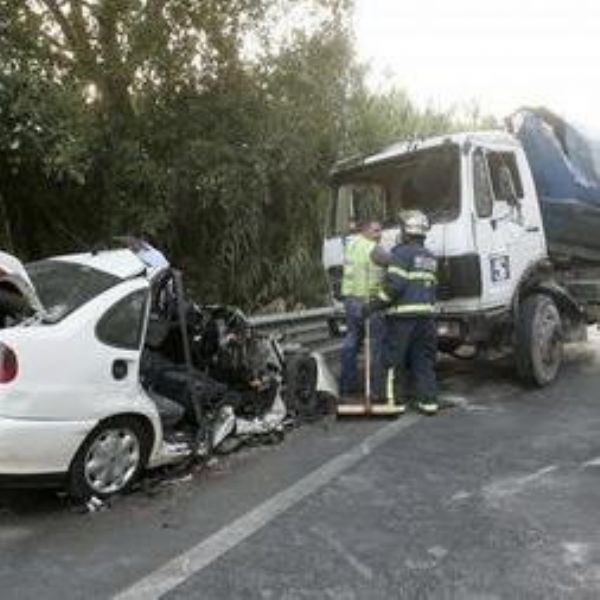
(486,231)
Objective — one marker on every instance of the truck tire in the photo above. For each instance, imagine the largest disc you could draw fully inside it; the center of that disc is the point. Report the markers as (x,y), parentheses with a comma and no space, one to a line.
(539,340)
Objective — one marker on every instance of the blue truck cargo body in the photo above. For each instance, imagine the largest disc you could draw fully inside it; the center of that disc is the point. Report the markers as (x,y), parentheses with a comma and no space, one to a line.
(565,164)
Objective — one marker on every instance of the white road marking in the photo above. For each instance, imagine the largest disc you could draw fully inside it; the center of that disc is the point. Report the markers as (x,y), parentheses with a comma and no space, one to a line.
(460,496)
(511,486)
(438,552)
(182,567)
(453,400)
(576,553)
(14,534)
(363,570)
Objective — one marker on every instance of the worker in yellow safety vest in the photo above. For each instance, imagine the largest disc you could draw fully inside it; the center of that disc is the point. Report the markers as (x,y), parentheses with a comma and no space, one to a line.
(361,282)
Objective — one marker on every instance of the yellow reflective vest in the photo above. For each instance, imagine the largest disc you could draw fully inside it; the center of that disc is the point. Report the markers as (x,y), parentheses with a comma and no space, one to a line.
(362,277)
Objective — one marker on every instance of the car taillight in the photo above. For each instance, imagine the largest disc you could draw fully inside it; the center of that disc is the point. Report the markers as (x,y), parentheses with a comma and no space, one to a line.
(9,365)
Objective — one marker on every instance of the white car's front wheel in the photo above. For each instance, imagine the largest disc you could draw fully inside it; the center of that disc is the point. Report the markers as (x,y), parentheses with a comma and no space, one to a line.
(110,459)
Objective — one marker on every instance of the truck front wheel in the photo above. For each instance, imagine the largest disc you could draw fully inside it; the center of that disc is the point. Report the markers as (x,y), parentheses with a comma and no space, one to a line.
(539,340)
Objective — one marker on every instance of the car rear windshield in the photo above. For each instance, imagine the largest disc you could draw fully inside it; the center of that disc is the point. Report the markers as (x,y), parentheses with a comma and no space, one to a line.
(63,287)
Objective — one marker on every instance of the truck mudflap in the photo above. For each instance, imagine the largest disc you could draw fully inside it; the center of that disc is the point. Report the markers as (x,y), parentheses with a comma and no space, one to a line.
(561,296)
(573,314)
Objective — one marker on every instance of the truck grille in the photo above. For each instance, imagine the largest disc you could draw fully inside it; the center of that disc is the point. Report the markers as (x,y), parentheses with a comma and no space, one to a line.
(459,277)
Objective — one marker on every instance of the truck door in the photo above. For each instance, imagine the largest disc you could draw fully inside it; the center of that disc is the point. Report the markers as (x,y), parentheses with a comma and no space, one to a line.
(499,223)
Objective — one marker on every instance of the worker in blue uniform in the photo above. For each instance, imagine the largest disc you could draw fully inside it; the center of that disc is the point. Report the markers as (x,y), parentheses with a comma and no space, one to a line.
(407,299)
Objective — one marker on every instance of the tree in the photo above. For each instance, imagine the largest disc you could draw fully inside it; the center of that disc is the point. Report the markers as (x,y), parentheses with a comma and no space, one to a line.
(211,124)
(187,119)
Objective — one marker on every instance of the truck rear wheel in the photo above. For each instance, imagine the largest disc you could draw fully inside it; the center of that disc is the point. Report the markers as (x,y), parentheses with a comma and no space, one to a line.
(539,340)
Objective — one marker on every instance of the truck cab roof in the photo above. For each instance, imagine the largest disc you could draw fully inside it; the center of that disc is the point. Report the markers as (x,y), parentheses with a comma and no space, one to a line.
(485,138)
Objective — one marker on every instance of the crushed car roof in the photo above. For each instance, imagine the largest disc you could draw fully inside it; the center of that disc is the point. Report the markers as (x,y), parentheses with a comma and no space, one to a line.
(120,263)
(13,272)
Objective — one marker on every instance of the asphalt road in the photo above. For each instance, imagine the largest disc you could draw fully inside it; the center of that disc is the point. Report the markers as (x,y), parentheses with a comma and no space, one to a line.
(495,498)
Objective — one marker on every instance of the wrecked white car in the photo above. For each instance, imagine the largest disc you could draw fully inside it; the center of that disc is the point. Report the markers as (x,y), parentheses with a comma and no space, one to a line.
(105,371)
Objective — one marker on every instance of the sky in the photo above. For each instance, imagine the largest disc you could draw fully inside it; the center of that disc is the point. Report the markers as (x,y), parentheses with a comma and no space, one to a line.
(502,54)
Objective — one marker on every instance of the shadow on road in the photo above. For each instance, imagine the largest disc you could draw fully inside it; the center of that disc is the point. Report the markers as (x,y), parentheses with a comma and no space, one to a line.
(27,502)
(468,375)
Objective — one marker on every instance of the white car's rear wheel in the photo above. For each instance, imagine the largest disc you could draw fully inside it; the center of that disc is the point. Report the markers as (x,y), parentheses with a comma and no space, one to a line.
(110,460)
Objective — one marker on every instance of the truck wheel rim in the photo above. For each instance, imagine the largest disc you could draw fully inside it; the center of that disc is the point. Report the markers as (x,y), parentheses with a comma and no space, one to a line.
(549,339)
(551,351)
(112,460)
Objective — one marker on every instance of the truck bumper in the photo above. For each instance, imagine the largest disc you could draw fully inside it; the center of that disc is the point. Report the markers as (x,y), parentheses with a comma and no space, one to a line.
(489,327)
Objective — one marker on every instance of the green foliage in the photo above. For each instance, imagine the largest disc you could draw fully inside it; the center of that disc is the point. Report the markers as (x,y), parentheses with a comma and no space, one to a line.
(212,125)
(44,162)
(376,120)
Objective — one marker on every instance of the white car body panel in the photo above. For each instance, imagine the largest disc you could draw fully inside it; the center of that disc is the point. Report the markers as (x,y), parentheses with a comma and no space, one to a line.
(67,393)
(120,263)
(65,384)
(47,411)
(49,449)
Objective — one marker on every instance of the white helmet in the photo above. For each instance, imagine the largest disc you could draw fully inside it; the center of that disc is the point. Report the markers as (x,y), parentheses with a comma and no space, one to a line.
(415,223)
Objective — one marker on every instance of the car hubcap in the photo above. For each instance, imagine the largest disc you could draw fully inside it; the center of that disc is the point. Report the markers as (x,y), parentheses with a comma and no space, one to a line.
(112,460)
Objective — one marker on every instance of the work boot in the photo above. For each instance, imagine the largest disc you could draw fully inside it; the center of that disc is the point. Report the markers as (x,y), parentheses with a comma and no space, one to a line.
(352,399)
(378,400)
(428,407)
(401,406)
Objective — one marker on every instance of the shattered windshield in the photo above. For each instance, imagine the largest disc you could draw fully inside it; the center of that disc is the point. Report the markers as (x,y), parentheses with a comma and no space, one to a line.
(63,287)
(428,180)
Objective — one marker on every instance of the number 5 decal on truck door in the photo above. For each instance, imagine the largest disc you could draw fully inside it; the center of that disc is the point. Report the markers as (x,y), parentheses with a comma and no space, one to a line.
(499,268)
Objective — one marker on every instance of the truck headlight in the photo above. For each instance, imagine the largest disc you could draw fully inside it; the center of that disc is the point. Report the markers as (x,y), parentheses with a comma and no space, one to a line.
(449,329)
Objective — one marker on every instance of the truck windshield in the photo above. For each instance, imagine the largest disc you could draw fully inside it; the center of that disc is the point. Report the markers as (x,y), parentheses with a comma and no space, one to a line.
(428,180)
(63,287)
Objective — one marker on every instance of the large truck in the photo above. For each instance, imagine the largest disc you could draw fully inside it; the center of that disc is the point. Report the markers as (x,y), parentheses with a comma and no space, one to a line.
(515,220)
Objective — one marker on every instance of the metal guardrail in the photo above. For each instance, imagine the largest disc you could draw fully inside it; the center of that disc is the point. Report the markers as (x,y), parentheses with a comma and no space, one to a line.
(311,328)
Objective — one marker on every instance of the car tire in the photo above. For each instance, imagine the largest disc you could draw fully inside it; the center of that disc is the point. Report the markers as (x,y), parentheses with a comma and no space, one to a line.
(301,373)
(539,340)
(110,460)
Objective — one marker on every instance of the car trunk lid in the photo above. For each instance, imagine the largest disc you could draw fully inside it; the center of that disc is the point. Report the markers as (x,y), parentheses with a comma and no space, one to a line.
(14,277)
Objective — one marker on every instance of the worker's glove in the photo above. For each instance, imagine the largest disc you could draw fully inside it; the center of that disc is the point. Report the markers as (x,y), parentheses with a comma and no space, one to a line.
(369,308)
(374,304)
(381,256)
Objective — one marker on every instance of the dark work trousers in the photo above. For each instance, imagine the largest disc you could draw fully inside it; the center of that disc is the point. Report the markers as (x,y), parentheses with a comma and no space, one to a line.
(410,350)
(352,345)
